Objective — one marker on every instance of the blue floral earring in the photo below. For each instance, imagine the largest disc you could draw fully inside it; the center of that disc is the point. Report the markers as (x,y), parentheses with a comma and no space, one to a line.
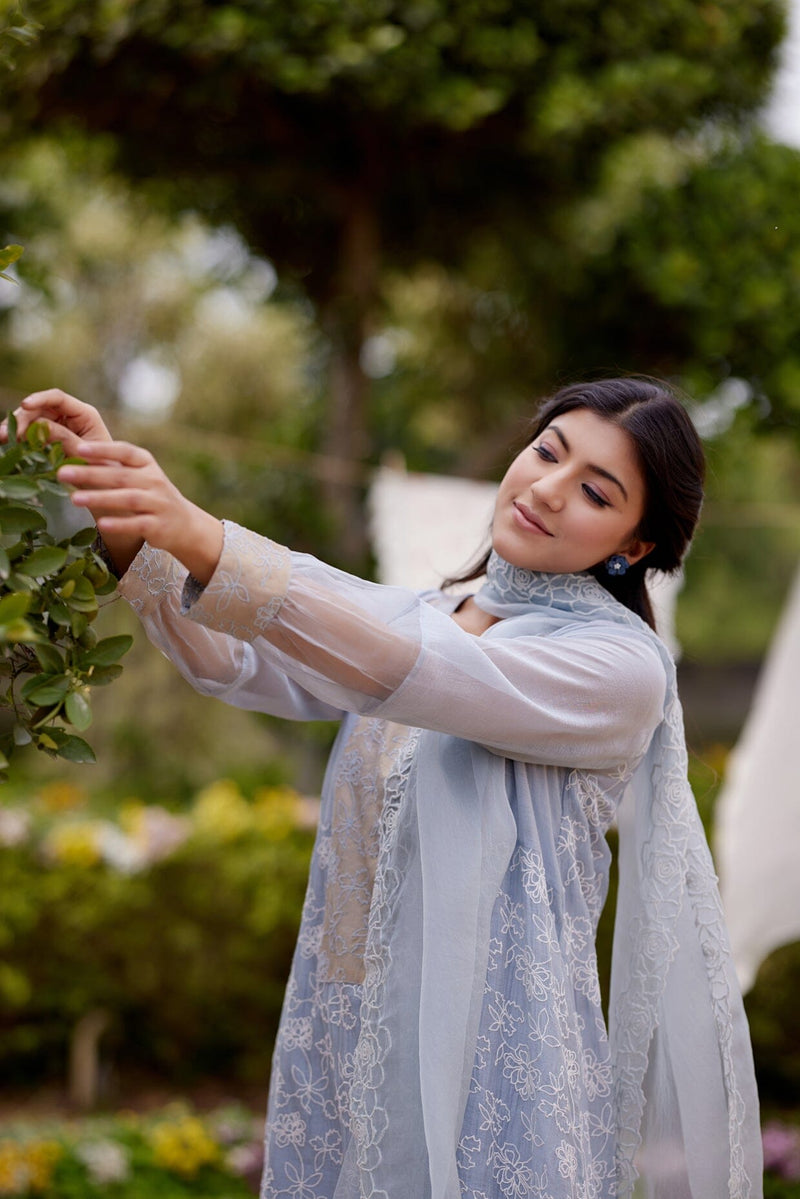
(616,564)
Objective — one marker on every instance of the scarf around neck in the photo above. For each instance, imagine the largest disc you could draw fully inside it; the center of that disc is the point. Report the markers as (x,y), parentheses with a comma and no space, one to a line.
(684,1086)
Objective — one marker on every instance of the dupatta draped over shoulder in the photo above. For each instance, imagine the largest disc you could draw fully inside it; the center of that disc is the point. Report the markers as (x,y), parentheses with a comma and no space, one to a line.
(284,633)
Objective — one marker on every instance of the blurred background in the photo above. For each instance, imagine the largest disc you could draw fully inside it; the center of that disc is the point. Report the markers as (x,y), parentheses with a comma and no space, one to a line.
(288,247)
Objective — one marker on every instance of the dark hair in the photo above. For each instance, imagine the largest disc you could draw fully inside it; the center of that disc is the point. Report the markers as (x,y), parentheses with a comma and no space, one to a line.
(673,467)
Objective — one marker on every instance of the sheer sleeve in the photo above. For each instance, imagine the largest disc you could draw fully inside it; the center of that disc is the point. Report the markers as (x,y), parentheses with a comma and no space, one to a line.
(213,662)
(590,699)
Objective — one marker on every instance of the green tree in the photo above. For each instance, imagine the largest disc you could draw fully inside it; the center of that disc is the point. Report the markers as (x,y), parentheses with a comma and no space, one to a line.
(344,139)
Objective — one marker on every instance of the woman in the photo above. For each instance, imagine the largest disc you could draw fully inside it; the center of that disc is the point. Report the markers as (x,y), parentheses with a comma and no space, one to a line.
(442,1032)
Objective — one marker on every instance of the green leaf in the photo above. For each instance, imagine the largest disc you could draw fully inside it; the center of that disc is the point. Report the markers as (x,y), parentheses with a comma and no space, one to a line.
(107,586)
(37,435)
(77,604)
(47,560)
(17,582)
(84,537)
(10,457)
(59,613)
(12,429)
(99,676)
(78,710)
(21,520)
(18,631)
(5,564)
(45,690)
(15,487)
(53,487)
(75,749)
(49,658)
(22,735)
(106,652)
(12,606)
(79,624)
(9,254)
(98,574)
(89,639)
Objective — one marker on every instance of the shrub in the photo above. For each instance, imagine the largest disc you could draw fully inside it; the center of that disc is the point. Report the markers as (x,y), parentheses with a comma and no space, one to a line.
(179,929)
(50,580)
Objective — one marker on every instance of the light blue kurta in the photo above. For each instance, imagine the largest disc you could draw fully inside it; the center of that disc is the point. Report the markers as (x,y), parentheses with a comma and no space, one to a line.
(499,1082)
(538,1118)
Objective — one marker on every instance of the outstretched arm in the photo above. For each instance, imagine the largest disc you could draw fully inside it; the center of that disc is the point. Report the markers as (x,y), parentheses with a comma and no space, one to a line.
(586,700)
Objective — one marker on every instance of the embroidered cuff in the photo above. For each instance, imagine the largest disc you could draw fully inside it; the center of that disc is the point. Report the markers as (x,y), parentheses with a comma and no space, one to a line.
(247,588)
(152,576)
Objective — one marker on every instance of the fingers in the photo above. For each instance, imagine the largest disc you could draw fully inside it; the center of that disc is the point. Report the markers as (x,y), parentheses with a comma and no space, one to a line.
(99,476)
(65,411)
(133,527)
(123,452)
(56,400)
(121,499)
(55,432)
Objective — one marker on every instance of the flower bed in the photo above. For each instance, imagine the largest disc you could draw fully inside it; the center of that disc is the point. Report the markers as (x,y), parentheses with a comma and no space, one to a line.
(172,1153)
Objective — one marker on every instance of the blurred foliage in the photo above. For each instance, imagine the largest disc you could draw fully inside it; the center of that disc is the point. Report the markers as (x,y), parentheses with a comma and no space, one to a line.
(780,1188)
(711,266)
(15,27)
(747,549)
(775,1030)
(174,319)
(508,144)
(81,895)
(50,656)
(413,106)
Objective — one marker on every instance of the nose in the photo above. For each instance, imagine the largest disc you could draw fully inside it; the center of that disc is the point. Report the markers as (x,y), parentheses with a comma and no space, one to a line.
(549,491)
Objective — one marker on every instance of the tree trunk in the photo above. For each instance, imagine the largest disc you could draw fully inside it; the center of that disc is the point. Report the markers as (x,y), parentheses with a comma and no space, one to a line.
(84,1058)
(346,320)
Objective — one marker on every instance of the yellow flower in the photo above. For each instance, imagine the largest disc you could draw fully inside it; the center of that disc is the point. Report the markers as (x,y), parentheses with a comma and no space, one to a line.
(74,844)
(184,1146)
(131,817)
(222,812)
(42,1159)
(62,797)
(27,1167)
(276,811)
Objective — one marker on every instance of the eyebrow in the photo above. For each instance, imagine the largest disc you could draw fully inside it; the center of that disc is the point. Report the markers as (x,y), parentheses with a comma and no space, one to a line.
(597,470)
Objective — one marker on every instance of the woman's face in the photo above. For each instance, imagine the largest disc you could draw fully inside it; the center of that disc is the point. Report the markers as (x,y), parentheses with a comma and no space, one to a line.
(571,498)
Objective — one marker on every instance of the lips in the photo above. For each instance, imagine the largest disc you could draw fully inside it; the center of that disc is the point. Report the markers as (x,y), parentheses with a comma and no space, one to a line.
(528,519)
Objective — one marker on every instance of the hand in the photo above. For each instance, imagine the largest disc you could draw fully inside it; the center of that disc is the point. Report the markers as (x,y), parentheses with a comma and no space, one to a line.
(132,501)
(69,420)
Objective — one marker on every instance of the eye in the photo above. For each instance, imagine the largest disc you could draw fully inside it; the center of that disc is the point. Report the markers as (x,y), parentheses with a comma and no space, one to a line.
(595,496)
(544,452)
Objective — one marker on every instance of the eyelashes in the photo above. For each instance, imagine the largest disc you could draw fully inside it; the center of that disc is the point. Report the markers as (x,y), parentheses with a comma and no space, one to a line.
(593,496)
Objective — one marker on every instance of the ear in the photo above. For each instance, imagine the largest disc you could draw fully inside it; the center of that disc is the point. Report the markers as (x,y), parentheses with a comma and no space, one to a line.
(636,549)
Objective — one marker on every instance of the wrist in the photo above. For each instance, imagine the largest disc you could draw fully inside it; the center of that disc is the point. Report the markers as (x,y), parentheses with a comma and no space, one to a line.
(201,541)
(121,551)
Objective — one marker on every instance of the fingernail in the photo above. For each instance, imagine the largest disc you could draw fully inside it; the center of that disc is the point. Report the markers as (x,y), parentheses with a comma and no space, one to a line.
(67,473)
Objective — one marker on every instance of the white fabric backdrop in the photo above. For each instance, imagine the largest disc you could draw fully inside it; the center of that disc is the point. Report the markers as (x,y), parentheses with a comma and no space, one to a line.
(758,812)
